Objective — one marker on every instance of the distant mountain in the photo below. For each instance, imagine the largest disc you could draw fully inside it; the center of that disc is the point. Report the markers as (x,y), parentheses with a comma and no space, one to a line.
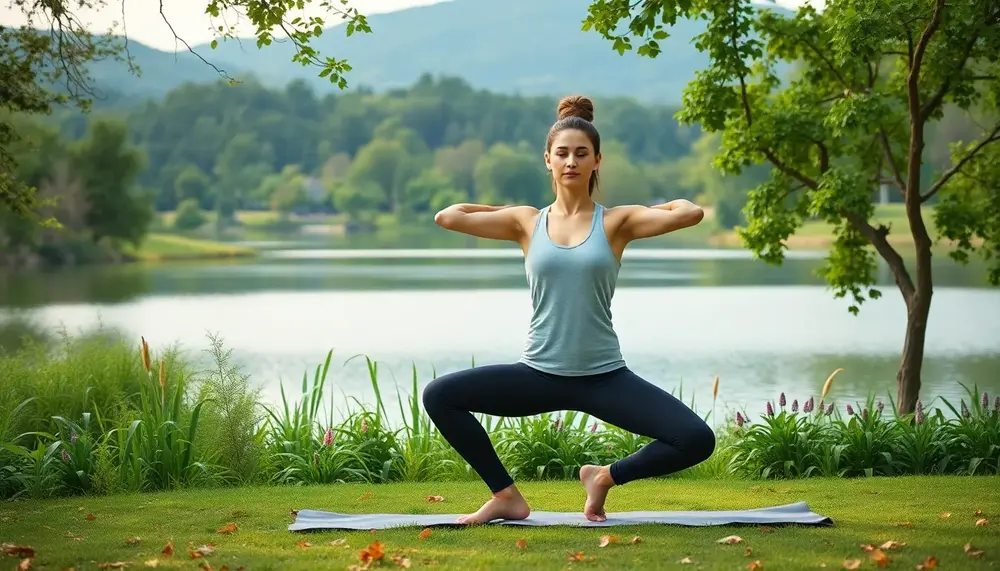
(530,47)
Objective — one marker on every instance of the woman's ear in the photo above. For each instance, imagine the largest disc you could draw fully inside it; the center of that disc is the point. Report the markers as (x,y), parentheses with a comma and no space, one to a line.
(545,157)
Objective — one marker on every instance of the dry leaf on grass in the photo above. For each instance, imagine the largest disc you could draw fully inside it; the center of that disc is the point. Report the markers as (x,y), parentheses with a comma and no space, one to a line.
(425,533)
(755,565)
(202,551)
(982,521)
(168,549)
(607,540)
(227,529)
(972,551)
(944,515)
(303,544)
(904,524)
(929,563)
(891,544)
(730,539)
(686,561)
(978,513)
(867,547)
(373,552)
(521,544)
(24,565)
(635,540)
(133,540)
(152,563)
(578,556)
(115,565)
(880,558)
(747,552)
(18,550)
(852,563)
(435,499)
(294,513)
(401,561)
(342,542)
(91,517)
(366,495)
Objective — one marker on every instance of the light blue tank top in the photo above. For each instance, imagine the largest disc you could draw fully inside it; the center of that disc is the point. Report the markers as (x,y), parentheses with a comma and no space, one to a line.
(571,288)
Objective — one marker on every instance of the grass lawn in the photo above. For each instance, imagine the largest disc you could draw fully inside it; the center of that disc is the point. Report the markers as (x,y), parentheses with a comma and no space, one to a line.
(865,511)
(163,247)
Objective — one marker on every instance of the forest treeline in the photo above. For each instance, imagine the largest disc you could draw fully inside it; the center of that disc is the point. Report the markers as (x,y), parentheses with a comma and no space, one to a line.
(408,152)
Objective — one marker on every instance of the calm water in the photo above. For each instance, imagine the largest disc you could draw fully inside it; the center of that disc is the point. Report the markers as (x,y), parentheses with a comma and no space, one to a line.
(684,316)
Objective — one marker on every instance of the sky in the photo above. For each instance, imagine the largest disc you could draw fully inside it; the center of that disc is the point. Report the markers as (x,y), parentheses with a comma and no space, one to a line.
(144,23)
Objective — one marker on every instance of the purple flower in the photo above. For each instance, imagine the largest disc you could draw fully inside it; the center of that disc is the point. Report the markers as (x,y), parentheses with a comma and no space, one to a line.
(965,409)
(879,406)
(65,456)
(850,410)
(795,405)
(986,401)
(364,425)
(920,412)
(739,419)
(864,413)
(328,437)
(557,424)
(73,437)
(781,399)
(829,409)
(808,407)
(593,427)
(996,404)
(770,409)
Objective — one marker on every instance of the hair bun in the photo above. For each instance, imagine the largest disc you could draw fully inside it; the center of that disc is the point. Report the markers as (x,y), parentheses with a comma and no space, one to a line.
(576,106)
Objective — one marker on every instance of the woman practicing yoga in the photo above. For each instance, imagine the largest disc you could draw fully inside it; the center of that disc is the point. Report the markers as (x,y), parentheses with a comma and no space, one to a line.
(572,359)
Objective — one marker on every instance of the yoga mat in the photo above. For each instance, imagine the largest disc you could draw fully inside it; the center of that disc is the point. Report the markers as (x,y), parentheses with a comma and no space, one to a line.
(795,513)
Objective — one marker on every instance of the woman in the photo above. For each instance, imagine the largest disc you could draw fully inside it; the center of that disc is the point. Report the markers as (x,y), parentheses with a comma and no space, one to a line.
(572,359)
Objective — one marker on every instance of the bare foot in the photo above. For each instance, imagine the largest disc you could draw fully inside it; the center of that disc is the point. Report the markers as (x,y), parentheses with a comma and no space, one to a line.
(505,504)
(597,481)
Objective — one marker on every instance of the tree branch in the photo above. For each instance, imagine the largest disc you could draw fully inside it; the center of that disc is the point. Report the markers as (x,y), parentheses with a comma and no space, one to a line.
(938,96)
(887,150)
(991,138)
(221,72)
(913,81)
(877,236)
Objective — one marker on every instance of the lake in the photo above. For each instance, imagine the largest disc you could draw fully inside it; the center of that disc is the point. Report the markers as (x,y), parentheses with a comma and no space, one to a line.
(683,316)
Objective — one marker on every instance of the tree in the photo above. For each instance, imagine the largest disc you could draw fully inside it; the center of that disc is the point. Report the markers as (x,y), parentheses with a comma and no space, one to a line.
(871,77)
(43,65)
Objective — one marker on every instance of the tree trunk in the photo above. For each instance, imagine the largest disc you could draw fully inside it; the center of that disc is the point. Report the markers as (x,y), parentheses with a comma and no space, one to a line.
(908,377)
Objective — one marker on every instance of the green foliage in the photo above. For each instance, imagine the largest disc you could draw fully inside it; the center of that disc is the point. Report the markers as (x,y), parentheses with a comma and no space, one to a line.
(189,216)
(844,123)
(865,441)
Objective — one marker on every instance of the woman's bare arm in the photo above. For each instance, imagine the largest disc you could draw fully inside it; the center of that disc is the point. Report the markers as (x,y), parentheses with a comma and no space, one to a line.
(483,221)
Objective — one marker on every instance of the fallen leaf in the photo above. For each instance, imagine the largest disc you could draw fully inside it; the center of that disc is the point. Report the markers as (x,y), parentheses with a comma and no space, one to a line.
(755,566)
(202,551)
(891,544)
(366,496)
(880,558)
(521,544)
(686,561)
(635,540)
(982,521)
(730,539)
(607,540)
(115,565)
(425,533)
(133,540)
(747,552)
(342,542)
(91,517)
(972,551)
(978,513)
(852,563)
(373,552)
(168,549)
(435,499)
(401,561)
(578,556)
(303,544)
(929,563)
(23,551)
(944,515)
(152,563)
(227,529)
(24,565)
(867,547)
(294,513)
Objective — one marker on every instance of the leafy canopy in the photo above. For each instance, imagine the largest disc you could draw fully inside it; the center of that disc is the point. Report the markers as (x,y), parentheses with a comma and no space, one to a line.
(867,77)
(43,64)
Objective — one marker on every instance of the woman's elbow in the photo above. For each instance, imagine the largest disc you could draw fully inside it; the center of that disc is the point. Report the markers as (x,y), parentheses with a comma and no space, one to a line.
(445,218)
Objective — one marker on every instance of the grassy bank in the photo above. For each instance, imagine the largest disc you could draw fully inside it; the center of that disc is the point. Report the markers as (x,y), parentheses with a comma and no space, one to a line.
(134,529)
(166,247)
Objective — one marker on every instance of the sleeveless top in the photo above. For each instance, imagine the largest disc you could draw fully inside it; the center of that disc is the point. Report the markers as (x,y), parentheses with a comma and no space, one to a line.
(571,287)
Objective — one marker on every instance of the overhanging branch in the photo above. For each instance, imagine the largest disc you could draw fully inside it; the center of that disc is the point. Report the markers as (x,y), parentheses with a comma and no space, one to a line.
(877,237)
(991,138)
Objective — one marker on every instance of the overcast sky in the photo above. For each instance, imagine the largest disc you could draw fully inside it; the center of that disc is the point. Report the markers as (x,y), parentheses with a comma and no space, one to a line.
(188,18)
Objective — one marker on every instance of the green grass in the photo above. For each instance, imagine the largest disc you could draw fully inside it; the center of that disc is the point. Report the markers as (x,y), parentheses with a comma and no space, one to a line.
(164,247)
(864,511)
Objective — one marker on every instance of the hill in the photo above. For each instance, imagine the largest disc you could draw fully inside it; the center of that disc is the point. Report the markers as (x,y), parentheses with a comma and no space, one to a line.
(527,47)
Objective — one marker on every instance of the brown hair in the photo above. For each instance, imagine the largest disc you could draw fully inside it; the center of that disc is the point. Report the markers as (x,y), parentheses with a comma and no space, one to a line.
(577,112)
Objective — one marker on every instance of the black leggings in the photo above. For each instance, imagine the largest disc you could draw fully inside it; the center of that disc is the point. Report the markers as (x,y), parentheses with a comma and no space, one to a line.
(620,398)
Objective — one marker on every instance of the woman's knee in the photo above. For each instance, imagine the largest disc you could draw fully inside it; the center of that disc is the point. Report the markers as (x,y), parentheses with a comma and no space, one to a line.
(700,442)
(434,395)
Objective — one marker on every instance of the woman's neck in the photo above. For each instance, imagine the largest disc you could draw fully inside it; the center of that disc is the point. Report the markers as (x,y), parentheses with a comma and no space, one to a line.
(570,202)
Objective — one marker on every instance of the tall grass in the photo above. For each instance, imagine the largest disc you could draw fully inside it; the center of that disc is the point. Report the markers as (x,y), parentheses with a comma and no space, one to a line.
(98,414)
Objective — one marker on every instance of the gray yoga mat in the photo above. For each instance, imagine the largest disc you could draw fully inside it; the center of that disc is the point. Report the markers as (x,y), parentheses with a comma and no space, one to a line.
(795,513)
